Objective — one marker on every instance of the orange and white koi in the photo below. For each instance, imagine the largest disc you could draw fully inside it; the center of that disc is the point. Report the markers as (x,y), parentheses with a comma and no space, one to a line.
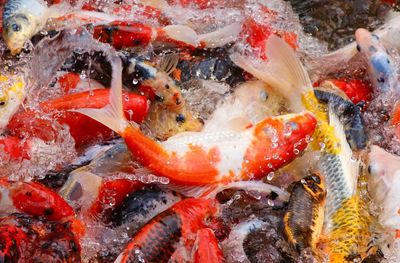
(204,158)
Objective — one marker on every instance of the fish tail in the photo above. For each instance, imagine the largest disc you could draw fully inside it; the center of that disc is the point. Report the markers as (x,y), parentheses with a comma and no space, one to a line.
(178,33)
(111,115)
(221,36)
(283,71)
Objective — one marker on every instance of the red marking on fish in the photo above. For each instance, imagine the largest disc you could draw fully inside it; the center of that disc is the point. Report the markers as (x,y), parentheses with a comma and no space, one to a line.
(208,249)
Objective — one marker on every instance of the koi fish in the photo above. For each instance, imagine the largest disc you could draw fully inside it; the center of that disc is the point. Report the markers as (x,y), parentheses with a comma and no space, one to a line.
(24,238)
(12,94)
(383,184)
(305,213)
(22,19)
(387,33)
(94,195)
(82,129)
(380,65)
(349,115)
(204,158)
(128,34)
(157,240)
(285,73)
(37,200)
(140,206)
(355,89)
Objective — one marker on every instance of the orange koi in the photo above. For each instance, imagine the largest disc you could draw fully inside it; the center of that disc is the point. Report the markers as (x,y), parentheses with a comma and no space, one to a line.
(199,158)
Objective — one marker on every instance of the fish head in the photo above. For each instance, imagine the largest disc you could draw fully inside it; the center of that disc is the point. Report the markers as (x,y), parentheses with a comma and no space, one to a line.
(12,93)
(383,173)
(314,185)
(380,64)
(17,30)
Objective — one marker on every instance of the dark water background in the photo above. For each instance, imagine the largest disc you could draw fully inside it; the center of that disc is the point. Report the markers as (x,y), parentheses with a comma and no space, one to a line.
(335,21)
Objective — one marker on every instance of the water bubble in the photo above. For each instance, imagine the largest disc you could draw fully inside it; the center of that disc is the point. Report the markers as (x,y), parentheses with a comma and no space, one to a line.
(296,151)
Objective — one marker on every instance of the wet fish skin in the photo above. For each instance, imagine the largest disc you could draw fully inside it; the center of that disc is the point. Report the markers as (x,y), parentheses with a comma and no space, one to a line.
(305,213)
(21,20)
(350,116)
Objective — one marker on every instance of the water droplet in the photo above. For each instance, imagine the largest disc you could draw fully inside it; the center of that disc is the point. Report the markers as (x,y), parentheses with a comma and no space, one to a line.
(270,176)
(296,151)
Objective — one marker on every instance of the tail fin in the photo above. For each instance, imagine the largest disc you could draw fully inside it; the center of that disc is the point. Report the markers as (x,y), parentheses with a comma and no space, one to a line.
(111,115)
(221,36)
(182,33)
(283,71)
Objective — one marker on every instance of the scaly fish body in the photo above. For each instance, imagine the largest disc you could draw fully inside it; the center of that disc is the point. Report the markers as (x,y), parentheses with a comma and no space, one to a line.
(305,214)
(285,73)
(350,116)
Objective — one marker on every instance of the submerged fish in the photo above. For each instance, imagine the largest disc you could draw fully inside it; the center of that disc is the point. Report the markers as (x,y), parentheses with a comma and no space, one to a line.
(285,73)
(305,213)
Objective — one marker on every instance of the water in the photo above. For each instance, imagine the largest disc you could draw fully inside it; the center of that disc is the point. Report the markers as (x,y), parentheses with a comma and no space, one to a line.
(320,26)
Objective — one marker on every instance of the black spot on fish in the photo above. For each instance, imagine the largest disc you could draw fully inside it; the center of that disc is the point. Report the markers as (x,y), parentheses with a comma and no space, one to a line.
(2,103)
(369,169)
(137,42)
(48,211)
(180,118)
(358,48)
(166,86)
(178,101)
(159,98)
(381,80)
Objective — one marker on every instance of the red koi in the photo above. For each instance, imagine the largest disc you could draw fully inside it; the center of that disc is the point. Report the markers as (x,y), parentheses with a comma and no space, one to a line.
(112,194)
(157,240)
(34,199)
(127,34)
(198,158)
(27,239)
(356,90)
(208,249)
(12,241)
(82,128)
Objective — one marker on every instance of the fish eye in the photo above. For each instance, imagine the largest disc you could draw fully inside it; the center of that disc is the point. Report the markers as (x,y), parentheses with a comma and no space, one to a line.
(16,27)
